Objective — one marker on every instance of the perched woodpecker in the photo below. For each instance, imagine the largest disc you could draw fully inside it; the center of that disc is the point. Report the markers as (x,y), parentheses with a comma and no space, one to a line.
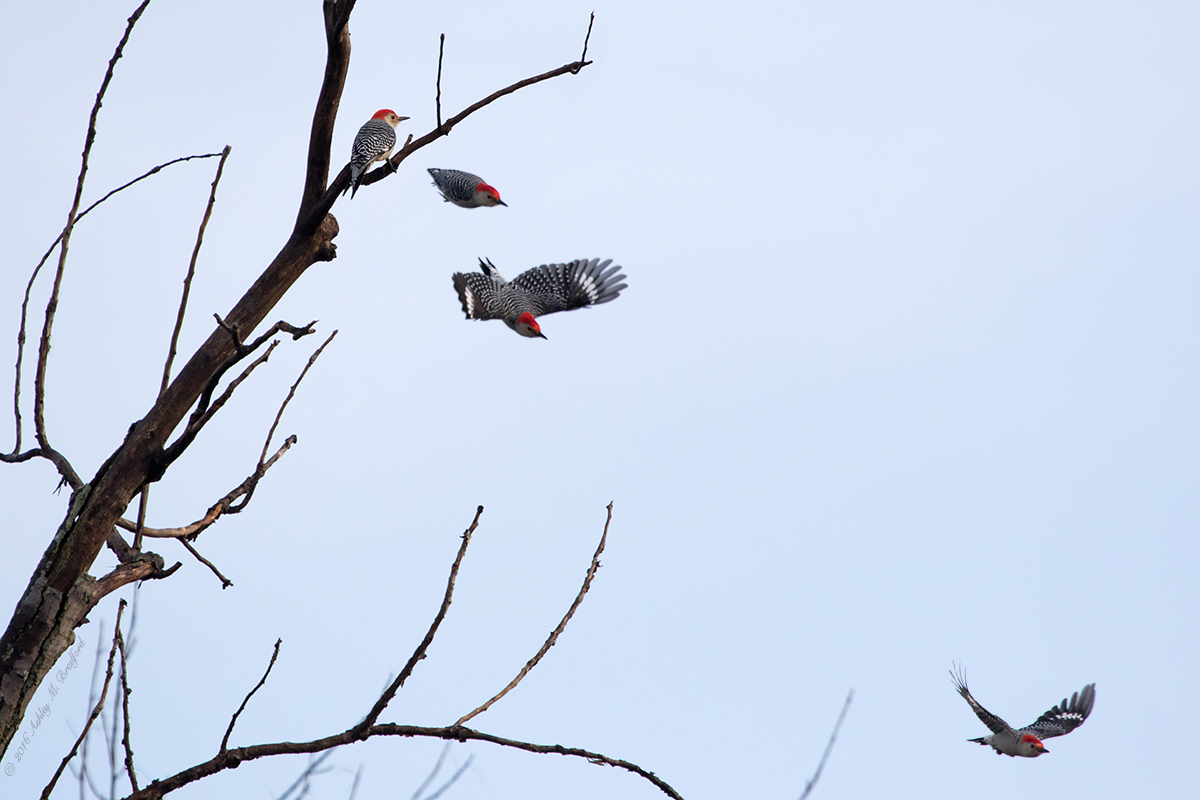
(541,290)
(464,189)
(374,142)
(1058,721)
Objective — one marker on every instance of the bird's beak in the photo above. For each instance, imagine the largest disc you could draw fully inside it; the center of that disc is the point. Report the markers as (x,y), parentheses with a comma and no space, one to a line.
(539,333)
(403,118)
(502,203)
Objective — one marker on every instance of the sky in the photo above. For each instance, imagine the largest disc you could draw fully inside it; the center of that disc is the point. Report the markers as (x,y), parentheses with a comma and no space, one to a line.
(904,376)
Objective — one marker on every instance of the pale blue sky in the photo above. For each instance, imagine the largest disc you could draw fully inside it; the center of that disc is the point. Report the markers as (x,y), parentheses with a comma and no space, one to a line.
(905,374)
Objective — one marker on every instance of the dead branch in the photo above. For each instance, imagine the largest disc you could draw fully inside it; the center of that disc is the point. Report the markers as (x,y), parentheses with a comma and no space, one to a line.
(437,767)
(808,787)
(187,281)
(225,582)
(419,653)
(324,202)
(232,759)
(233,721)
(144,499)
(583,58)
(291,393)
(146,566)
(39,383)
(125,713)
(99,704)
(33,278)
(587,582)
(441,51)
(223,506)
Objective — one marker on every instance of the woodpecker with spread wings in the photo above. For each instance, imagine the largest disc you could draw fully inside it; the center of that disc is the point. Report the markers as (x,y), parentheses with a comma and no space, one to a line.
(1027,742)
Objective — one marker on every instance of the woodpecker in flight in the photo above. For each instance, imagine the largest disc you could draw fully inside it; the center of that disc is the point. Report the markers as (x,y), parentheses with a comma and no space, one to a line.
(374,142)
(1058,721)
(541,290)
(464,189)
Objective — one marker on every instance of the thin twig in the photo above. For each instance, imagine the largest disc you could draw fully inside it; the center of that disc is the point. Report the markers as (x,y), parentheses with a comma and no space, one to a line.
(225,582)
(313,215)
(458,773)
(187,281)
(223,506)
(242,707)
(125,711)
(39,383)
(441,49)
(95,710)
(587,582)
(38,268)
(437,767)
(583,58)
(419,653)
(808,787)
(304,781)
(291,393)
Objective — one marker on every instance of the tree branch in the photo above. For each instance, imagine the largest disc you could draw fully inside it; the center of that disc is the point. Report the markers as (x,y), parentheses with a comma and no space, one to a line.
(808,787)
(125,712)
(95,711)
(225,582)
(233,721)
(33,277)
(587,582)
(223,506)
(360,729)
(324,203)
(231,759)
(39,384)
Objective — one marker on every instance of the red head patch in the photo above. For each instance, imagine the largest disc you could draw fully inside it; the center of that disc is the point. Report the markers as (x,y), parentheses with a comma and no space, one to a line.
(1029,738)
(528,319)
(483,187)
(383,112)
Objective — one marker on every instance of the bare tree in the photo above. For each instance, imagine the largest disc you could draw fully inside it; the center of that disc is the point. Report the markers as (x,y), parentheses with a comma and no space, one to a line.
(61,592)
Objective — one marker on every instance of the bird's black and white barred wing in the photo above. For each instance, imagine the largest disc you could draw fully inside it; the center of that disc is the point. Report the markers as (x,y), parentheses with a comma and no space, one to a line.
(1064,717)
(478,292)
(994,723)
(562,287)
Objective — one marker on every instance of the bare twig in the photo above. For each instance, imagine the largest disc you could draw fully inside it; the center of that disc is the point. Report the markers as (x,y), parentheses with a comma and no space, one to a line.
(236,757)
(583,58)
(808,787)
(441,50)
(125,712)
(96,709)
(225,582)
(223,506)
(437,767)
(39,384)
(587,582)
(203,412)
(291,393)
(458,773)
(419,653)
(187,281)
(312,215)
(38,268)
(303,783)
(242,707)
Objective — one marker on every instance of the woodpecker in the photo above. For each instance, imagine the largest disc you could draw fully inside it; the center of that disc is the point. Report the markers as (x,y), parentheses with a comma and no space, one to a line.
(1058,721)
(541,290)
(464,189)
(374,142)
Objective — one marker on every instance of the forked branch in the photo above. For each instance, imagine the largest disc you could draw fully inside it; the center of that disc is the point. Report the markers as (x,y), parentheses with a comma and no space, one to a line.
(533,662)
